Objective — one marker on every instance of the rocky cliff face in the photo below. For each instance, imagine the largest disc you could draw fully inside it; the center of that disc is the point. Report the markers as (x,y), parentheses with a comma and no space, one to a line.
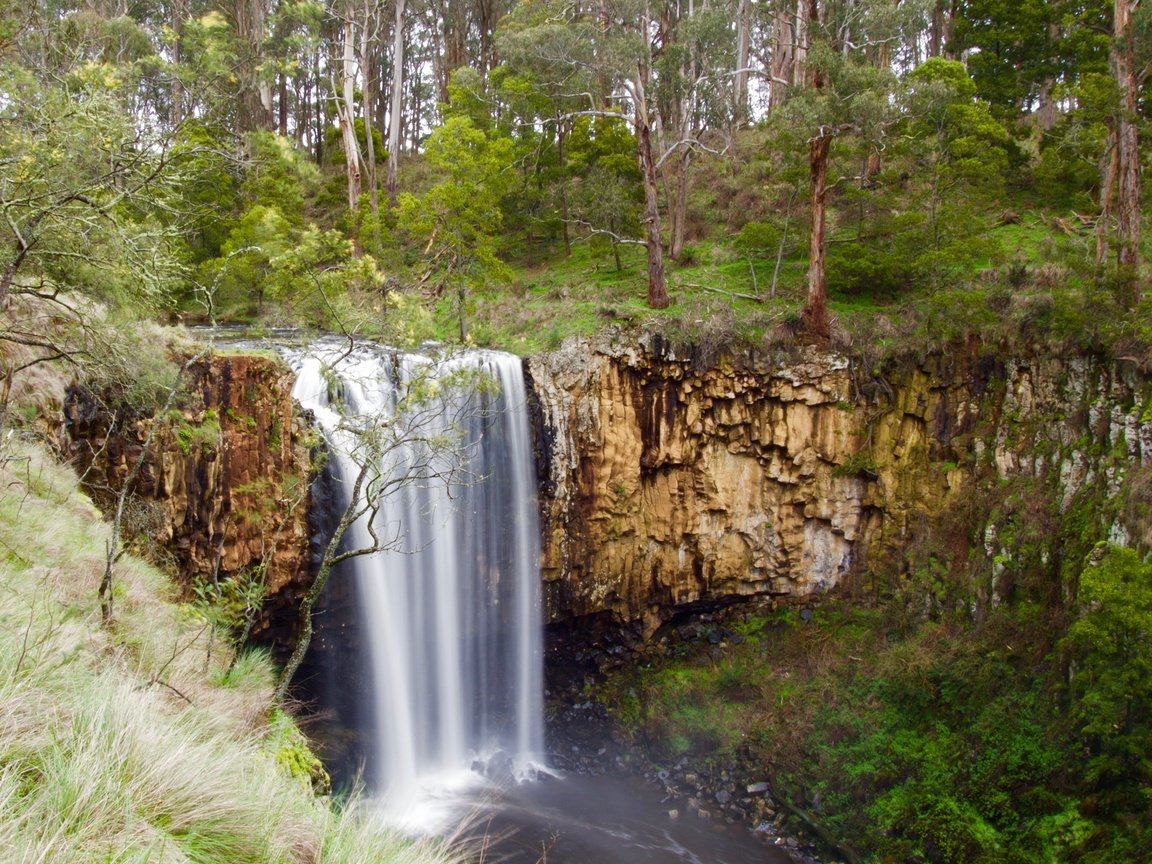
(666,484)
(224,485)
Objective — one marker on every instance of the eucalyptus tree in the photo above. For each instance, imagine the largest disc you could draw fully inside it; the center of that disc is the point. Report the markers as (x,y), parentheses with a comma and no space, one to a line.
(365,28)
(942,20)
(254,89)
(293,40)
(461,33)
(396,95)
(346,14)
(677,70)
(1131,60)
(625,54)
(844,91)
(617,45)
(695,82)
(788,47)
(743,48)
(554,58)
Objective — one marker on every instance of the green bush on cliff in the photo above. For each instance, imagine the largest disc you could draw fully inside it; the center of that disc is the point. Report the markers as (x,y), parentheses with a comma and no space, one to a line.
(1110,685)
(950,741)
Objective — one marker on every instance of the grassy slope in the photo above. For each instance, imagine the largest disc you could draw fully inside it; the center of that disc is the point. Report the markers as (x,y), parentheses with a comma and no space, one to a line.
(1036,294)
(135,743)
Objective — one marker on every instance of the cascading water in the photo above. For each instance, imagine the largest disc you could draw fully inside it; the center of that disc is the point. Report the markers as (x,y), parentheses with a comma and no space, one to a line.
(446,657)
(450,607)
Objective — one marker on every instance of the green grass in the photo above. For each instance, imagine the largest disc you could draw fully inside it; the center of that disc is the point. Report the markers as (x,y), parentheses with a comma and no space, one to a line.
(1039,286)
(131,742)
(583,294)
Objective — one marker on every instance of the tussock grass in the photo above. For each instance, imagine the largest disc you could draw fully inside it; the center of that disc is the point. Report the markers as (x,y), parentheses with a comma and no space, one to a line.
(136,742)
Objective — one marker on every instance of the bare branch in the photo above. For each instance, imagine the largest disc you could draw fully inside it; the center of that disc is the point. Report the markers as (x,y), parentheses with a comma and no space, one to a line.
(688,142)
(616,238)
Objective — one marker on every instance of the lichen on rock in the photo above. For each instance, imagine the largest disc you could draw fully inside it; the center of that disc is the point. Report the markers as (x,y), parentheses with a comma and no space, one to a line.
(665,484)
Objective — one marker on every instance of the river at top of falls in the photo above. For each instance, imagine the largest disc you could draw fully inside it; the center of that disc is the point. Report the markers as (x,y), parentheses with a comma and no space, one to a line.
(433,453)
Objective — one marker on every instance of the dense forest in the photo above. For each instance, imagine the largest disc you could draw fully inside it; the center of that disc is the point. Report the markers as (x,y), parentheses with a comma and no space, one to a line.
(886,178)
(468,164)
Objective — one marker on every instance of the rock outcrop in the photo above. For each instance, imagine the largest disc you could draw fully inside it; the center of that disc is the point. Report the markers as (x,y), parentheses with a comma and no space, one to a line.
(224,484)
(666,484)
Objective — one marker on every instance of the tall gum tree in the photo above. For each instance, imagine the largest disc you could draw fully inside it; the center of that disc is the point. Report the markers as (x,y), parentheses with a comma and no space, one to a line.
(346,106)
(694,94)
(844,90)
(653,242)
(396,98)
(1129,77)
(625,37)
(255,92)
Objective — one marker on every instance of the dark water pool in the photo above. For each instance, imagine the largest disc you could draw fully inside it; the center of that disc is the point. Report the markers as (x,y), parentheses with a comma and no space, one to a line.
(603,820)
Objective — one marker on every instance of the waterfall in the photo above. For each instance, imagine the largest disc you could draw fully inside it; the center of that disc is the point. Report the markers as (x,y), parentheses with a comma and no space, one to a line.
(450,608)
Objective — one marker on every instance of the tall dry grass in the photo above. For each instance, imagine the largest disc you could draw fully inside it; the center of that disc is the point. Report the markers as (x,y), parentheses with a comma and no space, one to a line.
(128,743)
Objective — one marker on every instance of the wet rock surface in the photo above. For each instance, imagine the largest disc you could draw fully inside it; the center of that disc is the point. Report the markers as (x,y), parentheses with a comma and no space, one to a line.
(583,737)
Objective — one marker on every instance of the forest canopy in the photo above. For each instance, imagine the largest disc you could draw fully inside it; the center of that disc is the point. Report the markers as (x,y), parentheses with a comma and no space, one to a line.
(471,162)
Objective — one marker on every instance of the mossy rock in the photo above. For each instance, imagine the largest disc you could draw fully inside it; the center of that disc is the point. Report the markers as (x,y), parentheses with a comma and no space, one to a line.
(294,755)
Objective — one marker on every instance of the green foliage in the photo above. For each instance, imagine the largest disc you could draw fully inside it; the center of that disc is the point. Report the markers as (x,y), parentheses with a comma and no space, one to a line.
(209,187)
(277,175)
(211,56)
(1111,646)
(966,153)
(456,222)
(758,240)
(607,196)
(230,604)
(467,100)
(861,462)
(265,250)
(1022,47)
(78,194)
(956,740)
(1068,170)
(882,265)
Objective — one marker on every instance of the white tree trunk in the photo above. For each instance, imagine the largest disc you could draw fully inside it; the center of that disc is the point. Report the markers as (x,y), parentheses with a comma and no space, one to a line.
(397,98)
(743,51)
(367,35)
(345,107)
(1128,153)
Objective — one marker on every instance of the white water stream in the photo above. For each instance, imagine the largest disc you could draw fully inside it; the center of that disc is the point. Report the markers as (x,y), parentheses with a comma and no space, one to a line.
(451,604)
